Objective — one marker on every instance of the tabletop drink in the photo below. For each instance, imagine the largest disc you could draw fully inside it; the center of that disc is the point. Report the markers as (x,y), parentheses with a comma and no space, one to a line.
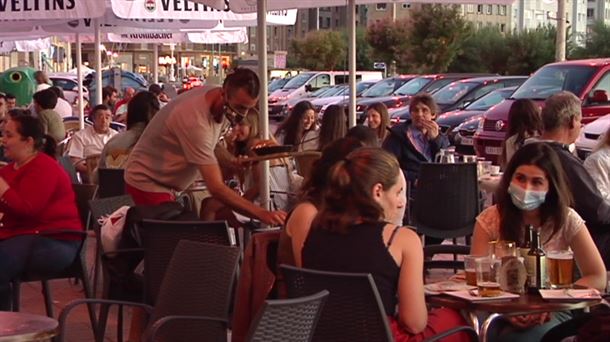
(560,265)
(469,269)
(535,261)
(487,277)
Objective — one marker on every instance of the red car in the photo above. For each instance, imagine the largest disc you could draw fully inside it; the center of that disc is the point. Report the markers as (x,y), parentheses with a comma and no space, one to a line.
(589,79)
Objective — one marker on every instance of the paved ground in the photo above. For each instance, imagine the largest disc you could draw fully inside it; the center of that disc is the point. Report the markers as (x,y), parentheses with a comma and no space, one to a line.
(78,326)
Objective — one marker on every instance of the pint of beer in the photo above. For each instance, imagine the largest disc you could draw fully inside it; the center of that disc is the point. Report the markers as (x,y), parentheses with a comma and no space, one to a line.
(487,277)
(560,265)
(469,269)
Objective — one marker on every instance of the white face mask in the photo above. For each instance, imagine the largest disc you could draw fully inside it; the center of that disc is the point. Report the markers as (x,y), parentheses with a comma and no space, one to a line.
(526,199)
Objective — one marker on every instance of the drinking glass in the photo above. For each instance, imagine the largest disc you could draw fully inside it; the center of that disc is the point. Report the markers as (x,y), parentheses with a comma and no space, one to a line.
(487,277)
(470,269)
(560,265)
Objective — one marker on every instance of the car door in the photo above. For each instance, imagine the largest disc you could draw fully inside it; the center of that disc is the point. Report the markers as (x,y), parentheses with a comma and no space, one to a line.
(596,102)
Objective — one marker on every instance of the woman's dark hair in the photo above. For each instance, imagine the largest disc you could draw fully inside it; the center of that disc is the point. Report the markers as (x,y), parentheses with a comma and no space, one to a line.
(19,112)
(347,198)
(29,126)
(317,180)
(366,135)
(381,108)
(425,99)
(141,108)
(558,198)
(523,120)
(292,127)
(333,127)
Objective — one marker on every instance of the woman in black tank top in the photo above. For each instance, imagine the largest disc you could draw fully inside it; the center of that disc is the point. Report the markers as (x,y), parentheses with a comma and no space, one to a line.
(350,234)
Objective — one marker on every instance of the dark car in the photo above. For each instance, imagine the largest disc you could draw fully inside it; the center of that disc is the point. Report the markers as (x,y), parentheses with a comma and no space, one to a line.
(461,93)
(455,117)
(276,84)
(463,135)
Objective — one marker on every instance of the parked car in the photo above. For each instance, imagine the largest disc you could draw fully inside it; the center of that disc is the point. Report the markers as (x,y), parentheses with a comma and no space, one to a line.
(590,136)
(455,117)
(69,84)
(276,84)
(462,135)
(320,104)
(461,93)
(320,93)
(589,79)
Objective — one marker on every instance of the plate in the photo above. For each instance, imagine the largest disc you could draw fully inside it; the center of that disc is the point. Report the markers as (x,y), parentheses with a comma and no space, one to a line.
(570,294)
(263,151)
(447,286)
(468,295)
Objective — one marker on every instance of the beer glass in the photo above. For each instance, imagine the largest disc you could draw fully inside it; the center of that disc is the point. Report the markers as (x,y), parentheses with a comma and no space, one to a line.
(560,265)
(502,248)
(487,277)
(469,269)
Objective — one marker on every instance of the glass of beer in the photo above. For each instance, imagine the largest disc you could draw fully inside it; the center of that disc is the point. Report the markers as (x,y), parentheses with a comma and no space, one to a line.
(487,277)
(560,265)
(469,269)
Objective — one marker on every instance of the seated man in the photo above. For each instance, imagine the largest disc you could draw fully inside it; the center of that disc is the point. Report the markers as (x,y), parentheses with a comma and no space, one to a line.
(91,140)
(52,124)
(561,121)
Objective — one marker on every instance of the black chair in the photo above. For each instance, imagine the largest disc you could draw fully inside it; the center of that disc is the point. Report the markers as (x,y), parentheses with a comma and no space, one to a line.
(67,165)
(193,302)
(160,238)
(111,182)
(288,319)
(84,193)
(353,310)
(446,202)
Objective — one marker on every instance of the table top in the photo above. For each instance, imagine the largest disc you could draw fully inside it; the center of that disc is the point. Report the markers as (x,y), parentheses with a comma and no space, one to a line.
(279,155)
(19,326)
(525,303)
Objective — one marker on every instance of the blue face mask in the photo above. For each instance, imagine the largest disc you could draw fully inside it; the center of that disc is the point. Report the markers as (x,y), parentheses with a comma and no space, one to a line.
(526,199)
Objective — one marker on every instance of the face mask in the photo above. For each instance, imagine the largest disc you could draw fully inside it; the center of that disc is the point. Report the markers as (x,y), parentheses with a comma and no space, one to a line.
(526,199)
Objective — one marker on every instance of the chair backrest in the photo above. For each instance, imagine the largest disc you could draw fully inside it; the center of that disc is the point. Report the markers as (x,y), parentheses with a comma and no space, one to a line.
(160,238)
(288,319)
(84,193)
(353,310)
(111,182)
(198,282)
(451,190)
(67,165)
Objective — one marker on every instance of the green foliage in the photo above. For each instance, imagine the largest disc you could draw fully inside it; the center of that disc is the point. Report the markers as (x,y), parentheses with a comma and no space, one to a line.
(435,38)
(530,49)
(597,44)
(387,39)
(320,50)
(483,50)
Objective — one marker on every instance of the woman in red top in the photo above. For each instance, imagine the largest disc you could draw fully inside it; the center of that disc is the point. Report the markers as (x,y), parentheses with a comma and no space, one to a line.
(36,196)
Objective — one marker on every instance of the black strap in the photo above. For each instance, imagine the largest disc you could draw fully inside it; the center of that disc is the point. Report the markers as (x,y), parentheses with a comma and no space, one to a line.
(392,236)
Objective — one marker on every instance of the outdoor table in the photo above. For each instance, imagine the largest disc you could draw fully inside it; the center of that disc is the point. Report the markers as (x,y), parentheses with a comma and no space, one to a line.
(19,326)
(489,183)
(525,304)
(278,156)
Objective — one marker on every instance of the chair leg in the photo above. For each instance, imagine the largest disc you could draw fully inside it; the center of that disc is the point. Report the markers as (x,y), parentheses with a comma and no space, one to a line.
(88,294)
(100,328)
(96,270)
(16,294)
(48,300)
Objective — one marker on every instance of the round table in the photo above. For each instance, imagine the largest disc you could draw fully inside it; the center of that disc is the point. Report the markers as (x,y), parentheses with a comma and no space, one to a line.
(525,304)
(19,326)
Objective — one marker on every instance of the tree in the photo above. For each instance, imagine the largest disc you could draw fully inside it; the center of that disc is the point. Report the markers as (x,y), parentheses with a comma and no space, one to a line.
(435,38)
(483,50)
(386,39)
(530,49)
(597,44)
(320,50)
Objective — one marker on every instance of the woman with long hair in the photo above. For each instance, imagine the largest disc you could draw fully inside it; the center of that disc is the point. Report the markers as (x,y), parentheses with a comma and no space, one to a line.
(300,122)
(533,191)
(333,127)
(524,122)
(36,198)
(598,165)
(378,119)
(365,190)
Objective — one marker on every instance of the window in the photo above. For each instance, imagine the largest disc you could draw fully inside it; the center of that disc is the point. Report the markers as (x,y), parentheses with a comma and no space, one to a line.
(381,7)
(479,9)
(470,8)
(489,9)
(406,6)
(66,85)
(327,22)
(603,86)
(502,27)
(320,81)
(590,13)
(502,9)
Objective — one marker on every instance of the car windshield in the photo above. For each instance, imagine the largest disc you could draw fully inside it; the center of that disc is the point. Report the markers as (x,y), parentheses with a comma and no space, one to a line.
(381,88)
(491,99)
(277,84)
(362,86)
(299,80)
(413,86)
(453,92)
(332,91)
(320,92)
(554,78)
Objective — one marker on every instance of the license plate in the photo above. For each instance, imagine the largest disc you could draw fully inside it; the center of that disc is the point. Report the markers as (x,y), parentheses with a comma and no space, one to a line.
(467,141)
(493,150)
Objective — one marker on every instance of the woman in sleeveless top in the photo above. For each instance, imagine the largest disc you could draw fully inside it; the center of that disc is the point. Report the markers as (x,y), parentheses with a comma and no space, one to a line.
(350,234)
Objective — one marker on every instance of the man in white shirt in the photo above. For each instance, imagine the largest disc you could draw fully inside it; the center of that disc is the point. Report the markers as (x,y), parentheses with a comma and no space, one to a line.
(63,107)
(91,140)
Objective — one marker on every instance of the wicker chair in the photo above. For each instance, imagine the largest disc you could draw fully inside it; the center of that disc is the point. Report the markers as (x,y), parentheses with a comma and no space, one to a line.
(193,302)
(353,311)
(288,319)
(160,238)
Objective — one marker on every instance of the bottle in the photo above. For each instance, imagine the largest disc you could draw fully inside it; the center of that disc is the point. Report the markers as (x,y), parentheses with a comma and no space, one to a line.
(536,261)
(525,246)
(512,275)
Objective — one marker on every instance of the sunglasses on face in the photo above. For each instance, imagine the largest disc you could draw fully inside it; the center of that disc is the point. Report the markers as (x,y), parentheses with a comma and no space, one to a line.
(234,116)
